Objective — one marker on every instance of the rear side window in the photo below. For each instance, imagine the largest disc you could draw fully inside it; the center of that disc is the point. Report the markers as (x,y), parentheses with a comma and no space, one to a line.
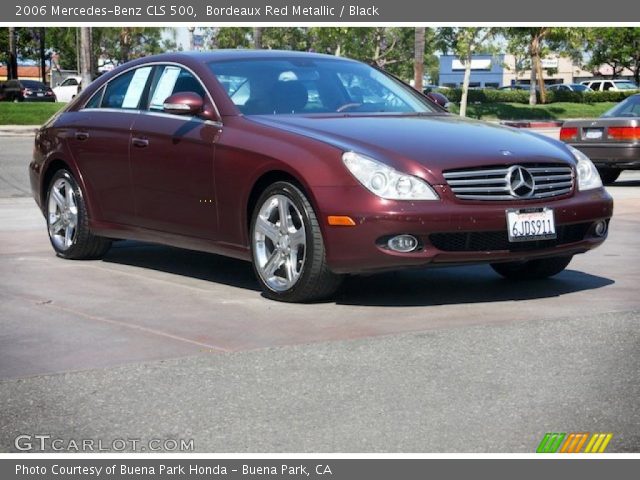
(595,86)
(126,90)
(172,80)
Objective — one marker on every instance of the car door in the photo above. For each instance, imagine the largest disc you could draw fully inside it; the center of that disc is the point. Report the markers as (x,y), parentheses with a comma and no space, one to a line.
(172,161)
(100,137)
(67,90)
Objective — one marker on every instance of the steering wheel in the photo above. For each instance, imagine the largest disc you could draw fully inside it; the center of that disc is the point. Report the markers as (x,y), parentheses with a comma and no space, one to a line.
(347,106)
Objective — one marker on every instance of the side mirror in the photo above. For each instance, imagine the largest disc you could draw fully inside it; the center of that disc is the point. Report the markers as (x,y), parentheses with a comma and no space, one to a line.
(57,84)
(183,103)
(439,99)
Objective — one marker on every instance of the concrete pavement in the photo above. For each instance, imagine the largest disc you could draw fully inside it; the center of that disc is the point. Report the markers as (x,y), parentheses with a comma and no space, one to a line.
(159,341)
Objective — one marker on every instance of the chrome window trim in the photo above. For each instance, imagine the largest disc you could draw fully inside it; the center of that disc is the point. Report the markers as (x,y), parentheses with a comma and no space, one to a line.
(154,114)
(154,64)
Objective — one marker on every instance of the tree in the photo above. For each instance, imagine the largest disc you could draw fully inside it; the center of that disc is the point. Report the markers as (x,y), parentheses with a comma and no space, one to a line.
(257,37)
(12,63)
(618,47)
(85,56)
(465,42)
(537,42)
(418,62)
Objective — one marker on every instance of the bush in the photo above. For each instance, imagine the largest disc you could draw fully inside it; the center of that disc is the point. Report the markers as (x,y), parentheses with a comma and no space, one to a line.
(490,95)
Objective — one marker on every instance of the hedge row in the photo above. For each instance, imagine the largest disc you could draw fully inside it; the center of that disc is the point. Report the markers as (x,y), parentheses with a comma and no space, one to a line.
(490,95)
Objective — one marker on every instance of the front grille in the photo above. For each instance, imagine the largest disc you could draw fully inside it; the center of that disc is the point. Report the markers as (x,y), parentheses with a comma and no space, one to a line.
(494,183)
(499,240)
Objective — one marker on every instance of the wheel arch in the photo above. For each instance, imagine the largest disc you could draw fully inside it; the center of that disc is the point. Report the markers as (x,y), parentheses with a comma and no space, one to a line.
(268,178)
(54,165)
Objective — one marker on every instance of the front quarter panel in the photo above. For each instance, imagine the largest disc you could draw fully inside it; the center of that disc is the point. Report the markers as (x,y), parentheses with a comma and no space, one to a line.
(246,151)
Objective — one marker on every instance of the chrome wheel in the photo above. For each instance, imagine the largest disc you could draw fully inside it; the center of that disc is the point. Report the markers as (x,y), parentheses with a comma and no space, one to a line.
(62,216)
(279,243)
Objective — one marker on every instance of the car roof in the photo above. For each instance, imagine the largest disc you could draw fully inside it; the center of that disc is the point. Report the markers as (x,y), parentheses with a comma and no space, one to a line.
(233,54)
(29,81)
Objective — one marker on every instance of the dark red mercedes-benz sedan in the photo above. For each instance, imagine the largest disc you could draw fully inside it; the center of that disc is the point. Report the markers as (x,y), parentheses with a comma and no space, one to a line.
(311,167)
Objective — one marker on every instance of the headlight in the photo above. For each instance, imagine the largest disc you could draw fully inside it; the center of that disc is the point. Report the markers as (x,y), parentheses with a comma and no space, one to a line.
(386,182)
(588,176)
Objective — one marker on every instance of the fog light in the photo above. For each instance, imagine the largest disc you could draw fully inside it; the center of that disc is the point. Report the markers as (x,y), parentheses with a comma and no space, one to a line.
(601,228)
(403,243)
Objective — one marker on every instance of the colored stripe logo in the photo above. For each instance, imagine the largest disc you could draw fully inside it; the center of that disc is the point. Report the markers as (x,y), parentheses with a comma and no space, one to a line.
(573,442)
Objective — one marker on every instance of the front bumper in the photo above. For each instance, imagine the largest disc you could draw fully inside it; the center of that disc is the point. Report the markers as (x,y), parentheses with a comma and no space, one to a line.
(624,156)
(357,249)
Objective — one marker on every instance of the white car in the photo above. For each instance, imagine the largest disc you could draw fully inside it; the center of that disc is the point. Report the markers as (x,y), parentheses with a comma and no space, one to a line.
(615,85)
(68,89)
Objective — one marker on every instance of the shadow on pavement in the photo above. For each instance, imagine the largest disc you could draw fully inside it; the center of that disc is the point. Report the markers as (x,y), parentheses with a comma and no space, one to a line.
(419,287)
(188,263)
(625,183)
(459,285)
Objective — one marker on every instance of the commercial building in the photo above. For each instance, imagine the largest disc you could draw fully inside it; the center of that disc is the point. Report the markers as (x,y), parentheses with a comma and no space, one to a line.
(495,71)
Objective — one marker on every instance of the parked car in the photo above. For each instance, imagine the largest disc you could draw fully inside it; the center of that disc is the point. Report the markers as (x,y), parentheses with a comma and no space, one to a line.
(612,141)
(372,176)
(440,99)
(430,88)
(615,85)
(569,87)
(516,87)
(26,91)
(68,89)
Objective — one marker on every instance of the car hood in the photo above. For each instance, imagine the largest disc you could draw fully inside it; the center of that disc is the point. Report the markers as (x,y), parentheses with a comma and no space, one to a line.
(430,142)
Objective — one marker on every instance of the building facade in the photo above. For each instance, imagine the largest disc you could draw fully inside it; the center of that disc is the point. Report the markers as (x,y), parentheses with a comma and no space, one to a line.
(495,71)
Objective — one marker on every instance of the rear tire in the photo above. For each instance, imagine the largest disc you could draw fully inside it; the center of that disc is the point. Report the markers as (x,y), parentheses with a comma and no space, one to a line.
(609,175)
(289,255)
(68,223)
(532,269)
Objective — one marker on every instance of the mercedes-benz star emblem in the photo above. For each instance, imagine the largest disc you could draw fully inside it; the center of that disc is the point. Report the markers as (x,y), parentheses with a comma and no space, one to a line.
(521,182)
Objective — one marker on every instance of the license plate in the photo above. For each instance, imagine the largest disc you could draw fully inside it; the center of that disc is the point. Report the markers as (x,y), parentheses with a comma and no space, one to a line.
(531,224)
(593,133)
(40,94)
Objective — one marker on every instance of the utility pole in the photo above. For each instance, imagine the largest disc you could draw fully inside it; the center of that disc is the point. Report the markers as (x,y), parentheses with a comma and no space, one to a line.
(85,56)
(12,64)
(43,59)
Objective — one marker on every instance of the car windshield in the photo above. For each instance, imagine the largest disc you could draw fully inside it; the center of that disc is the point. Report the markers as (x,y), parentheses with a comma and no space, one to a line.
(627,108)
(314,85)
(31,84)
(580,88)
(626,85)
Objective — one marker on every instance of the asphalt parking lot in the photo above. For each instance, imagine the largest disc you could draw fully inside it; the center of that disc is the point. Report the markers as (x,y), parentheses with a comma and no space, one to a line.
(156,342)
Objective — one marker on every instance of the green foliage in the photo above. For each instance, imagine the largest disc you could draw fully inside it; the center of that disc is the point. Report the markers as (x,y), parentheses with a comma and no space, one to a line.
(489,95)
(520,111)
(617,47)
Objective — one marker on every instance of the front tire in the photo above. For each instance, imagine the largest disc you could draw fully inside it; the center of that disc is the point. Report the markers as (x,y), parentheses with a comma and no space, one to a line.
(68,223)
(532,269)
(287,247)
(609,175)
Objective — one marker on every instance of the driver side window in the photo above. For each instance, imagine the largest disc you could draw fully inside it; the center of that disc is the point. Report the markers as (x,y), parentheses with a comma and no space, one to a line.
(171,80)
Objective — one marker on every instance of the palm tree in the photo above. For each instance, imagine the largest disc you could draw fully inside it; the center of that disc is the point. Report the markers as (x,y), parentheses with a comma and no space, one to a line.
(418,62)
(257,37)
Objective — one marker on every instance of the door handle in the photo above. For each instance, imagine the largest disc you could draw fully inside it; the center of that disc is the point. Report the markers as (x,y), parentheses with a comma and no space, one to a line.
(82,136)
(140,142)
